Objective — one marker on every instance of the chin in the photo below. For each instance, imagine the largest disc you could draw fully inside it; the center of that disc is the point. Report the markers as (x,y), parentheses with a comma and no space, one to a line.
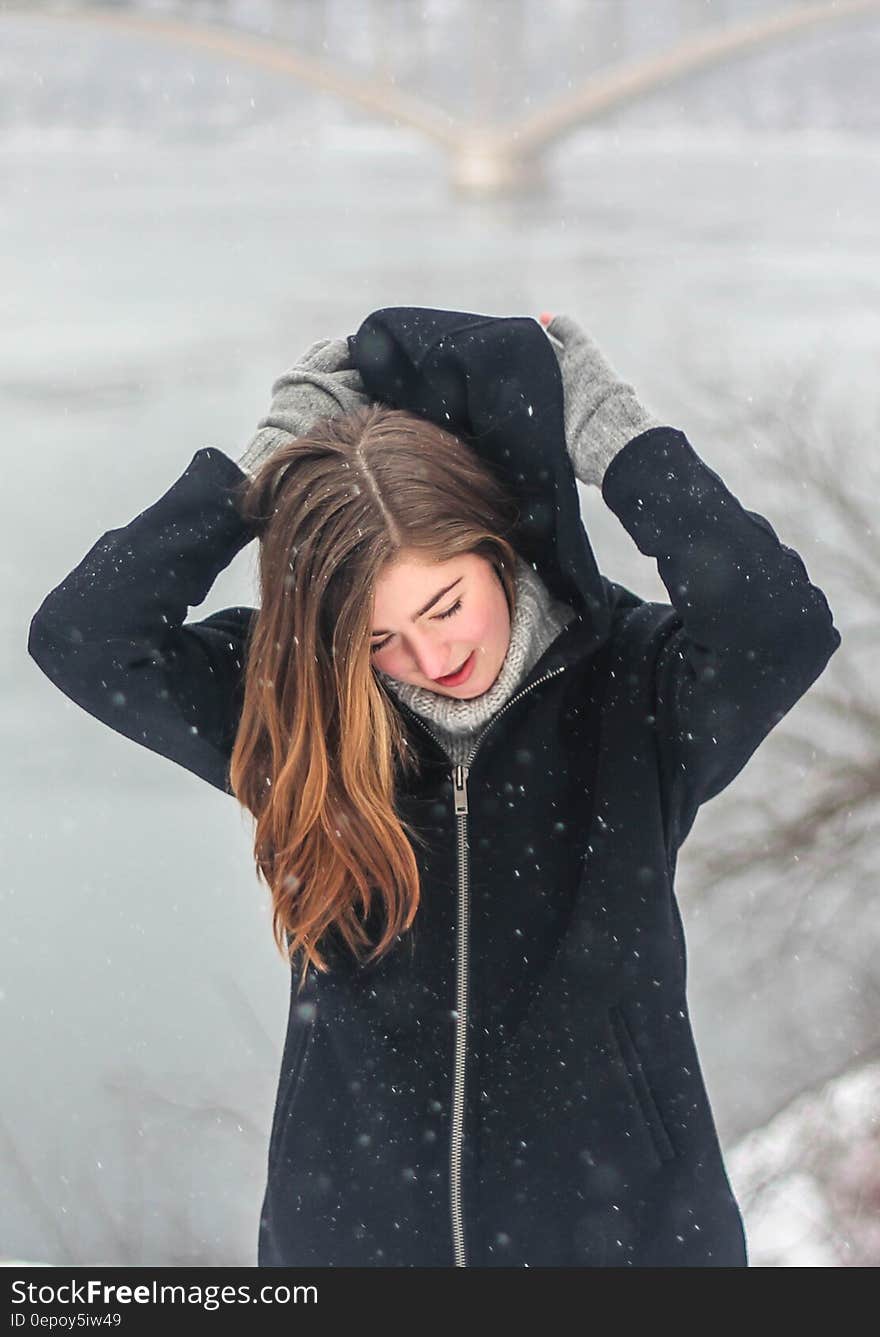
(471,690)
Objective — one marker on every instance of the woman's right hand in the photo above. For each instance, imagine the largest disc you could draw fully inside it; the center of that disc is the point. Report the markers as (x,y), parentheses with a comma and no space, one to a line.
(322,384)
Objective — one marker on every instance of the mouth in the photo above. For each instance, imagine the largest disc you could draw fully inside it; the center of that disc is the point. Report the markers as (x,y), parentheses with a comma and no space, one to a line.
(460,675)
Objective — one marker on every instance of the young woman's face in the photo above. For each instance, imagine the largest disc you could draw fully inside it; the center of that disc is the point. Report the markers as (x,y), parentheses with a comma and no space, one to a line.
(429,619)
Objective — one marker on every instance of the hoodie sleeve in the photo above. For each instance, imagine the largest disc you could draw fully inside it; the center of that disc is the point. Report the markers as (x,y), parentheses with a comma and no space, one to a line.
(747,635)
(112,635)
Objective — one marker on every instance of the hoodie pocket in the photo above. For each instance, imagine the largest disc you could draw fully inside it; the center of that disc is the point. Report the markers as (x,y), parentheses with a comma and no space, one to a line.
(292,1069)
(639,1085)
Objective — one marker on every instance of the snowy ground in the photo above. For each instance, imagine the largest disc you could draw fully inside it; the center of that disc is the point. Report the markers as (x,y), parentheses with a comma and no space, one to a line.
(809,1182)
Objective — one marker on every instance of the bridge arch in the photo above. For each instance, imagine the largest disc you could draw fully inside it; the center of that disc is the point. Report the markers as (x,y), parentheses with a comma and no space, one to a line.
(484,159)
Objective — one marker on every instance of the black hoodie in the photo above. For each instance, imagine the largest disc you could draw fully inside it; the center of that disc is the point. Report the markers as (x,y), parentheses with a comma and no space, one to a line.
(516,1083)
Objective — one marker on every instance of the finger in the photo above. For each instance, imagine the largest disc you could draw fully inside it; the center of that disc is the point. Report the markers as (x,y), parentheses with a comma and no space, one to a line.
(568,331)
(328,355)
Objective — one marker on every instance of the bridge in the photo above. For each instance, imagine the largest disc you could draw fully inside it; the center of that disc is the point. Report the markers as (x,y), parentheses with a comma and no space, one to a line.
(484,158)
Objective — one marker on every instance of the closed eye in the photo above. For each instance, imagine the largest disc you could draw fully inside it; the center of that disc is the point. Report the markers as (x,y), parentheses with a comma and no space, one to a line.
(439,618)
(454,609)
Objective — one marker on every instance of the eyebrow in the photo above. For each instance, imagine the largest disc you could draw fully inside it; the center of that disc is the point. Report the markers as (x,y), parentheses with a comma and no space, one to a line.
(429,605)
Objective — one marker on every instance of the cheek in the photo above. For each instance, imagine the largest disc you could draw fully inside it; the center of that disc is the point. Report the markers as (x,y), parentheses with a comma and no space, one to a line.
(384,661)
(486,627)
(499,615)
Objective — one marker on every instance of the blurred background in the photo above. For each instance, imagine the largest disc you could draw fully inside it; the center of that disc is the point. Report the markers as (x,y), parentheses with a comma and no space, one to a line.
(190,195)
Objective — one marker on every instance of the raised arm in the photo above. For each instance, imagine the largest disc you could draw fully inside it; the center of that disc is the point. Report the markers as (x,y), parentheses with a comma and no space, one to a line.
(747,633)
(113,636)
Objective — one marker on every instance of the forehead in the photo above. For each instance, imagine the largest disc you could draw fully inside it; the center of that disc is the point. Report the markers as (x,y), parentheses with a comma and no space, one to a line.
(408,572)
(410,578)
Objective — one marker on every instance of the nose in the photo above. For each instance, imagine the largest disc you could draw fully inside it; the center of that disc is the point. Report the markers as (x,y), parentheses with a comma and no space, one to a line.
(431,657)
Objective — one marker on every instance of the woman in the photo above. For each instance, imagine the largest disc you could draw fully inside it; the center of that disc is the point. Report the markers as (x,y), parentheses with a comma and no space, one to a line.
(472,760)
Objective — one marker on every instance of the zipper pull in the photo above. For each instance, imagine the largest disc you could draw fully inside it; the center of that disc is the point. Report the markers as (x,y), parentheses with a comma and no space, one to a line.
(459,782)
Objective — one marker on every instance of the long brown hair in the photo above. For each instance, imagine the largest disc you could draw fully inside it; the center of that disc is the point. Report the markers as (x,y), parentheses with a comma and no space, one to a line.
(319,735)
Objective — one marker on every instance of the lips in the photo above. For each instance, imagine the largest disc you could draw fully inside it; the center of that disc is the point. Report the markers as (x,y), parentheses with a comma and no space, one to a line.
(460,675)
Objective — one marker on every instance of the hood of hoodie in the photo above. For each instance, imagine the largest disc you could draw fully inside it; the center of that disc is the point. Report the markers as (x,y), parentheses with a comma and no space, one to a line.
(495,382)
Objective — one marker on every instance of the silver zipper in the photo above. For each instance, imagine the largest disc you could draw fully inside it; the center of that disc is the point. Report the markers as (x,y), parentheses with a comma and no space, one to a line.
(456,1141)
(460,773)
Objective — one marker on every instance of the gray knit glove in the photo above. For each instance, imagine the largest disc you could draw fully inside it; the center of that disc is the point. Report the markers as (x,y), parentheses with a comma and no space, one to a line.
(323,384)
(602,412)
